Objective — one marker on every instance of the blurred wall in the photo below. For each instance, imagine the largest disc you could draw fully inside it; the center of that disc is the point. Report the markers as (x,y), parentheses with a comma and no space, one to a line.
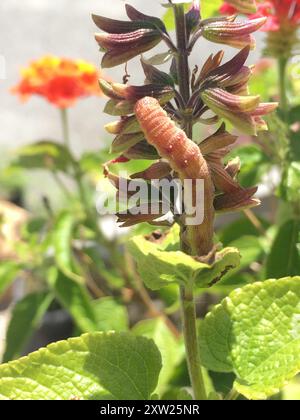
(32,28)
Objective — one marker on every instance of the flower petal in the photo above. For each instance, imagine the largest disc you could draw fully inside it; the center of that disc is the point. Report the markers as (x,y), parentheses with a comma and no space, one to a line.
(123,142)
(137,16)
(217,141)
(156,76)
(113,26)
(158,170)
(222,180)
(233,167)
(236,201)
(138,92)
(126,125)
(142,150)
(227,101)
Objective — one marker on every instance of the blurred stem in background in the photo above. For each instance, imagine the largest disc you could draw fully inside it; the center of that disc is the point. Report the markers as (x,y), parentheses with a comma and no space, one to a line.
(90,213)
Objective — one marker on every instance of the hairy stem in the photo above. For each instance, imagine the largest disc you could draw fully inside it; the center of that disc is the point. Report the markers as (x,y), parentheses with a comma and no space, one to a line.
(191,342)
(282,66)
(182,53)
(186,292)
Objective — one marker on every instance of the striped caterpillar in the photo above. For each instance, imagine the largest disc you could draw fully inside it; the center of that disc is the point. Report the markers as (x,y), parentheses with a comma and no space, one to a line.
(185,157)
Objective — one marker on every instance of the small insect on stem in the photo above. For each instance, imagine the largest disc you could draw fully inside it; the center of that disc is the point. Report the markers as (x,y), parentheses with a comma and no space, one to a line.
(185,157)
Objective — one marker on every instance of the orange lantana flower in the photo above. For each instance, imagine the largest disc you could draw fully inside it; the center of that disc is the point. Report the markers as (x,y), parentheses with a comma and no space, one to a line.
(61,81)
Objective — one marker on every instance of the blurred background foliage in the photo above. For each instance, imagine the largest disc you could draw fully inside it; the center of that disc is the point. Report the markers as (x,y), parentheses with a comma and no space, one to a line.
(65,270)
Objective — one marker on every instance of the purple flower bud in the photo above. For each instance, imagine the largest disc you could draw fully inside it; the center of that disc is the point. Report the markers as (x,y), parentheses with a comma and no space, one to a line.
(193,17)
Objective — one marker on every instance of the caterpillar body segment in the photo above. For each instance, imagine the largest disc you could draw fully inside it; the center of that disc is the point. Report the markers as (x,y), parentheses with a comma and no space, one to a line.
(185,157)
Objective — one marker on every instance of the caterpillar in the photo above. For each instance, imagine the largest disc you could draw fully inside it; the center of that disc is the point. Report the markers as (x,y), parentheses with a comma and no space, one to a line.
(185,157)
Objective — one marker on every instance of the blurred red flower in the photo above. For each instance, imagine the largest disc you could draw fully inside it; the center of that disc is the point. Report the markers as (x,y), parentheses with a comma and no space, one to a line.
(279,13)
(61,81)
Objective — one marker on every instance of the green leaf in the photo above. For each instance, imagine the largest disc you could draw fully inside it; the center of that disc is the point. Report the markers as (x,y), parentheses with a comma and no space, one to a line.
(265,82)
(284,259)
(98,267)
(255,333)
(171,349)
(251,250)
(241,227)
(254,164)
(168,17)
(62,236)
(110,315)
(292,183)
(26,317)
(8,273)
(159,268)
(158,59)
(92,161)
(210,8)
(44,154)
(95,366)
(75,299)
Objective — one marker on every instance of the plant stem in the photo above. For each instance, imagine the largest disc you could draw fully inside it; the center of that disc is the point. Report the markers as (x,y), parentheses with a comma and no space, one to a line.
(233,395)
(255,221)
(61,185)
(282,65)
(65,127)
(78,176)
(191,342)
(186,292)
(182,53)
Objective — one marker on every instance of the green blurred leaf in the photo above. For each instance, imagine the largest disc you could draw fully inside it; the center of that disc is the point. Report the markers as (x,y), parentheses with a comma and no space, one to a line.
(292,391)
(265,83)
(291,183)
(26,317)
(99,268)
(255,334)
(251,250)
(8,273)
(254,164)
(45,154)
(168,17)
(238,228)
(210,8)
(62,235)
(171,349)
(284,258)
(92,161)
(110,315)
(159,268)
(95,366)
(75,299)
